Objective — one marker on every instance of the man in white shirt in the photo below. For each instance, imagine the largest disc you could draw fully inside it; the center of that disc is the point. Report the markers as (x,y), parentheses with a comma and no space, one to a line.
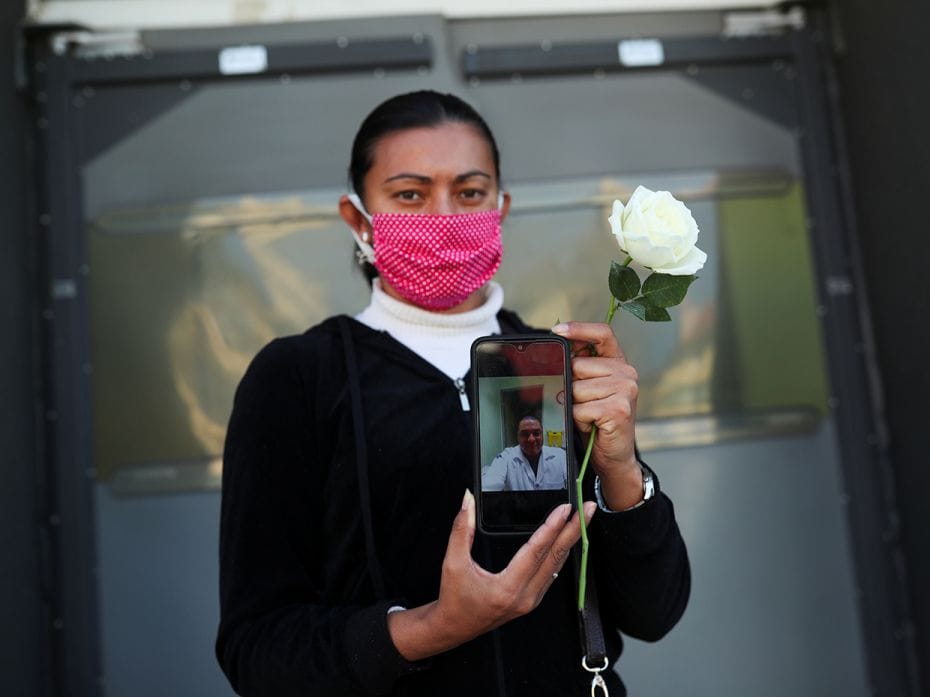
(529,466)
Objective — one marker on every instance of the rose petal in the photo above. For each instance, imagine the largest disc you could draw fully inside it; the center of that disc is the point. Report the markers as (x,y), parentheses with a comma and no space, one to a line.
(648,254)
(686,266)
(616,224)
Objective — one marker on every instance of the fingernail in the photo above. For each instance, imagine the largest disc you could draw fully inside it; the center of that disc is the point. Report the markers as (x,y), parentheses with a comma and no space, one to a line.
(465,500)
(560,328)
(559,513)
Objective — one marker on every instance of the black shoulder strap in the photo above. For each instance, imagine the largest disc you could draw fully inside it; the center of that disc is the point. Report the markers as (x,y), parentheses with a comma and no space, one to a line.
(361,456)
(512,324)
(592,632)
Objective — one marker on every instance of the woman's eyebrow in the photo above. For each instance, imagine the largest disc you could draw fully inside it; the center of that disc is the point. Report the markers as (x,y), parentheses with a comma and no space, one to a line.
(472,173)
(422,178)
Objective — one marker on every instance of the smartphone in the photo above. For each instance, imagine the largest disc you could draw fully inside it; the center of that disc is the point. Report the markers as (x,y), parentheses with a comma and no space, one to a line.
(524,459)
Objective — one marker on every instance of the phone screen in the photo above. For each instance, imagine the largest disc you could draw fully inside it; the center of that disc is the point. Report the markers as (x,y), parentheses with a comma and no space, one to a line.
(522,411)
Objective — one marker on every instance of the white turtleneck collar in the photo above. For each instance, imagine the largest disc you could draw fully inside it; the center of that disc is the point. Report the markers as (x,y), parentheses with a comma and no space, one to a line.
(442,339)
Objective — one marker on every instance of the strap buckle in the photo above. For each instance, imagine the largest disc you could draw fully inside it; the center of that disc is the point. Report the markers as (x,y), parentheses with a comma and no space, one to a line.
(597,682)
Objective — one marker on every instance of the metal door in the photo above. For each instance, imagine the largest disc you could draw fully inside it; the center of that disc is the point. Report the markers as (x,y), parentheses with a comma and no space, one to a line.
(188,213)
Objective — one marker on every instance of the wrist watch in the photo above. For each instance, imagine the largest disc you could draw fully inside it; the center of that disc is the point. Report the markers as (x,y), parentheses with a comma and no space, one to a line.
(649,485)
(649,490)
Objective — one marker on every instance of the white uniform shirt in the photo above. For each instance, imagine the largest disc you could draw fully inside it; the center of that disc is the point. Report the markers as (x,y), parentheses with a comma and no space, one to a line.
(511,471)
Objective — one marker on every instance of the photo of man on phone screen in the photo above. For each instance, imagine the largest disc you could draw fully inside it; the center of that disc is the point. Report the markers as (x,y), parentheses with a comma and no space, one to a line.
(529,465)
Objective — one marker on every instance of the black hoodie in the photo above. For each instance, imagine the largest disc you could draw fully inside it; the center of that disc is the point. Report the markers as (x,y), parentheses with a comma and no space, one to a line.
(299,613)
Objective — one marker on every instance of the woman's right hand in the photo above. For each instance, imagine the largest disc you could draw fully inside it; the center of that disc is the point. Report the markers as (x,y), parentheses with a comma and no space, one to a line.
(472,600)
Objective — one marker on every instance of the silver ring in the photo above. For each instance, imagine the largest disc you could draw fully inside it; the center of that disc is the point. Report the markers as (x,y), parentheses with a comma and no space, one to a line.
(555,575)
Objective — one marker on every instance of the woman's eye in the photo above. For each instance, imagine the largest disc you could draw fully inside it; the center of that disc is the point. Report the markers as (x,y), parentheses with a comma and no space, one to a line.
(473,193)
(408,195)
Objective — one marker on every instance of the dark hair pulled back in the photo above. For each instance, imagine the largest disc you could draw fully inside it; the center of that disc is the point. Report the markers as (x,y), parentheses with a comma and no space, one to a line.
(421,109)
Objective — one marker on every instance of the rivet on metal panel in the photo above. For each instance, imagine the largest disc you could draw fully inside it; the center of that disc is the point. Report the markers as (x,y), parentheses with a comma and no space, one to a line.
(64,289)
(839,285)
(285,79)
(471,49)
(599,74)
(418,38)
(545,45)
(474,82)
(693,69)
(342,42)
(379,72)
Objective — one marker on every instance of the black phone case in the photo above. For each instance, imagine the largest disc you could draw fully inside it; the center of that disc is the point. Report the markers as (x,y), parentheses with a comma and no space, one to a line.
(569,433)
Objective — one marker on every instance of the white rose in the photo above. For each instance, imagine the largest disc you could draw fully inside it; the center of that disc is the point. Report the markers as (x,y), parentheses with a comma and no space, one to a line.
(658,231)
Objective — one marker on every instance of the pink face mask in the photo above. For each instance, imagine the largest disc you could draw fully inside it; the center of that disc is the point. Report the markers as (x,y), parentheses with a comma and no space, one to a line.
(434,261)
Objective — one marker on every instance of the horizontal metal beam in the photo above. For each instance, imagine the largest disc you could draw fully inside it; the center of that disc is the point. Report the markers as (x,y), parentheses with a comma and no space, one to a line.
(96,65)
(547,58)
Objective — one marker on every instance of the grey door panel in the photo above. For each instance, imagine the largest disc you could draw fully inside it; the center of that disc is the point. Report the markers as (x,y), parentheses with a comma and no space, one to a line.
(208,225)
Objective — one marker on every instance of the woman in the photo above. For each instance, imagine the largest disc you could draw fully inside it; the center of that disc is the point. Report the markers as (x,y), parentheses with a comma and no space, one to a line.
(349,559)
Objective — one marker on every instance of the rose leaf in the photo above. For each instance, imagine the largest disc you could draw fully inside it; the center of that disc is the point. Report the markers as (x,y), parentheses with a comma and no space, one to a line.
(623,282)
(664,290)
(645,311)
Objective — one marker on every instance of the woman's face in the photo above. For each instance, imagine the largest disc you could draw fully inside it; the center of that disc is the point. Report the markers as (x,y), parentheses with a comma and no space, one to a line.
(443,169)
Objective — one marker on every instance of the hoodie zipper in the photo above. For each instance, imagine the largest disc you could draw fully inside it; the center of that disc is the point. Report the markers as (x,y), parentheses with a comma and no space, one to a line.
(463,395)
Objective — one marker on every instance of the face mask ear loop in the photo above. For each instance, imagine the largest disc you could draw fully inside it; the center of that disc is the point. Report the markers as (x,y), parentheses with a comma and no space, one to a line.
(365,249)
(500,199)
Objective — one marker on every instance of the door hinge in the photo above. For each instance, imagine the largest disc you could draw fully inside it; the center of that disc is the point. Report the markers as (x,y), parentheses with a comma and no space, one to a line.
(91,44)
(763,22)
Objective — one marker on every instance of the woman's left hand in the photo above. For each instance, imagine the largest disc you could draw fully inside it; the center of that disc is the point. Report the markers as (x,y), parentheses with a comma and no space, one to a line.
(604,392)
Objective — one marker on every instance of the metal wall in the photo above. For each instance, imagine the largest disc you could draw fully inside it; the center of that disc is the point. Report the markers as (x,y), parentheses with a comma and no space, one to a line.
(23,629)
(883,61)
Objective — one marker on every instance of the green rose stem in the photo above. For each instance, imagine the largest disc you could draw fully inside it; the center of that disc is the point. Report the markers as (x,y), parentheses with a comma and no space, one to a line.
(583,576)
